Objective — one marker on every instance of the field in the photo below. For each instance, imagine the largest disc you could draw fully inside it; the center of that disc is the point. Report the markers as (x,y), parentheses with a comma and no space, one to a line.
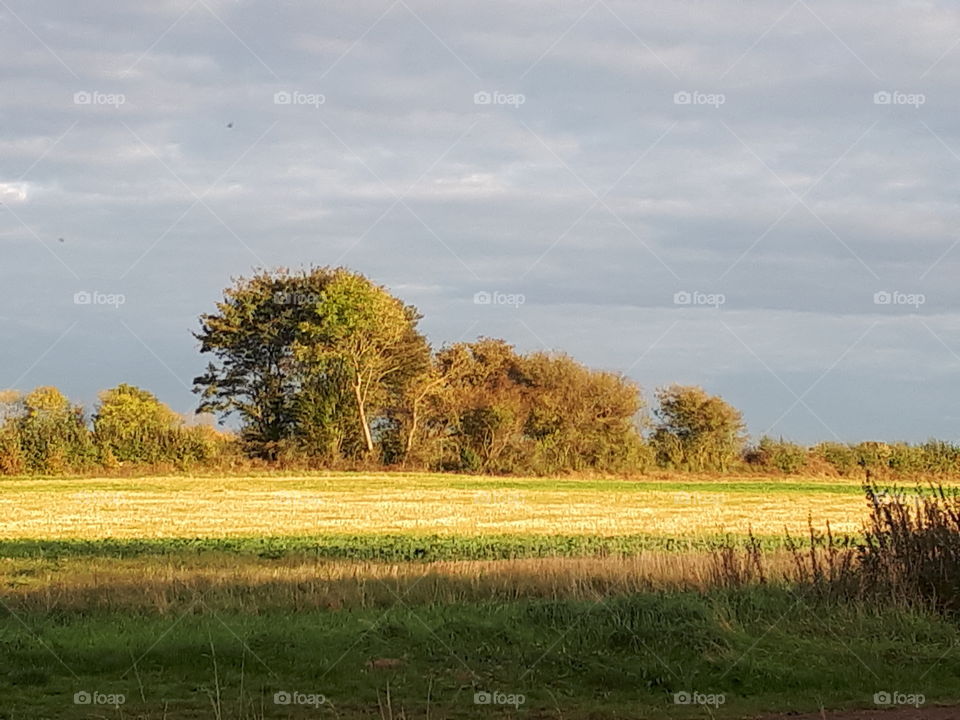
(268,506)
(430,596)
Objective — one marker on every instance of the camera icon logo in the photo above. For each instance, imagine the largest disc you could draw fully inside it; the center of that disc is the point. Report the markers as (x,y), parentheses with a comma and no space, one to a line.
(282,98)
(482,98)
(82,698)
(682,298)
(282,698)
(882,298)
(82,298)
(683,97)
(482,298)
(82,98)
(882,698)
(882,97)
(482,698)
(682,698)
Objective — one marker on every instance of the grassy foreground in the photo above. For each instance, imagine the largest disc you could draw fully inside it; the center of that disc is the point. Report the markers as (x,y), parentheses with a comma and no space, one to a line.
(423,596)
(619,657)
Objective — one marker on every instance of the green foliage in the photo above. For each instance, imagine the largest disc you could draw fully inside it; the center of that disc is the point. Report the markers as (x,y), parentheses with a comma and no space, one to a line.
(133,426)
(315,363)
(254,373)
(697,431)
(841,457)
(366,341)
(53,435)
(494,410)
(781,455)
(384,548)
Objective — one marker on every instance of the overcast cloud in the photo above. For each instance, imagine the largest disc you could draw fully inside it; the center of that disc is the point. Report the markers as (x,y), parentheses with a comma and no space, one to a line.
(760,198)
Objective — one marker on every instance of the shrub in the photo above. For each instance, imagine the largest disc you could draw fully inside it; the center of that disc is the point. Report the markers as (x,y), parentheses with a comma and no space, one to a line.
(840,457)
(697,431)
(54,437)
(132,425)
(770,454)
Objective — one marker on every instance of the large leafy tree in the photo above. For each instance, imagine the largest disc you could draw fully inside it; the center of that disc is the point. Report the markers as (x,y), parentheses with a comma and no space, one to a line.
(316,361)
(254,373)
(368,338)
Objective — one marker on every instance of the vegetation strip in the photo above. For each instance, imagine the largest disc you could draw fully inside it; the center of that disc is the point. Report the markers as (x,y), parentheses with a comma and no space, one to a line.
(388,548)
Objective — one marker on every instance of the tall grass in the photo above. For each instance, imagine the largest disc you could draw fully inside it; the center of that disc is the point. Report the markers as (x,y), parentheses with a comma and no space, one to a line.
(909,553)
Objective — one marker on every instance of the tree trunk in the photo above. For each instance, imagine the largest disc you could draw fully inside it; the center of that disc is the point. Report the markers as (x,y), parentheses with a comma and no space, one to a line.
(414,416)
(368,438)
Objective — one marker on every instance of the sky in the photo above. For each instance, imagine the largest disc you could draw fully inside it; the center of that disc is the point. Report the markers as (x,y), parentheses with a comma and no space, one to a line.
(759,198)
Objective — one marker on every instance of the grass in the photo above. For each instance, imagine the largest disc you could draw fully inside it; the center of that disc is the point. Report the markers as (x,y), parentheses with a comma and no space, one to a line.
(402,596)
(624,657)
(170,585)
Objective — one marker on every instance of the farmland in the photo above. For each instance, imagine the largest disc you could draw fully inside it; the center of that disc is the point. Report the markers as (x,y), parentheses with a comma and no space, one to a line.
(413,596)
(266,506)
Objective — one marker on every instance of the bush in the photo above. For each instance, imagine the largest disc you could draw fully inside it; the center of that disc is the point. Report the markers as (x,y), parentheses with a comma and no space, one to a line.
(697,431)
(54,438)
(132,425)
(840,457)
(770,454)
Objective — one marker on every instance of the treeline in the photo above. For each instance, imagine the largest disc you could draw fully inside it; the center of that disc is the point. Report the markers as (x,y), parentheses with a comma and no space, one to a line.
(875,459)
(42,432)
(326,366)
(323,368)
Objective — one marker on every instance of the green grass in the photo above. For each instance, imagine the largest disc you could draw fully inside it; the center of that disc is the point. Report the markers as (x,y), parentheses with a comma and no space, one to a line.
(623,658)
(386,548)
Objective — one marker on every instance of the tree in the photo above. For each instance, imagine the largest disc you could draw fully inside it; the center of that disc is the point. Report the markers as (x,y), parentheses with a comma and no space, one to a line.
(53,433)
(366,336)
(581,418)
(255,373)
(480,411)
(134,425)
(696,430)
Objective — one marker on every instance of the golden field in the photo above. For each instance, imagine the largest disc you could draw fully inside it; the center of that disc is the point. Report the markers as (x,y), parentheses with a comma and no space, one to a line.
(315,504)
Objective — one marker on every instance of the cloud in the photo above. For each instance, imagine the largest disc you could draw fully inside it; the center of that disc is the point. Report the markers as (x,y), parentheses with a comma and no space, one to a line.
(598,197)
